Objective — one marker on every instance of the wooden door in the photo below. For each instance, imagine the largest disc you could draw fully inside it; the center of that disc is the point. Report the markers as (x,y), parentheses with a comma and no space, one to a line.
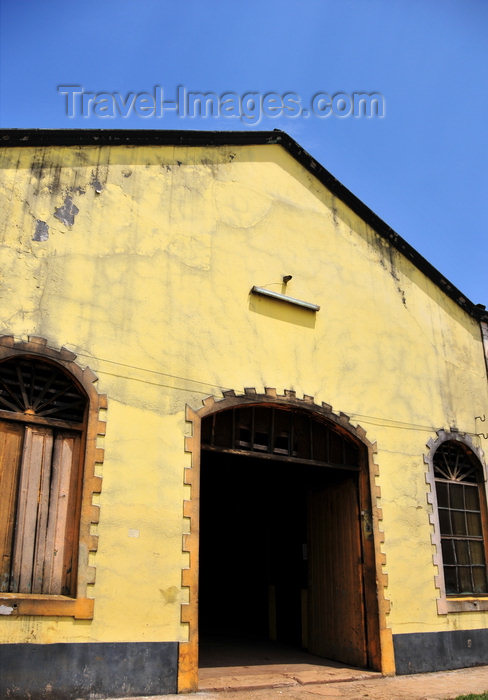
(11,437)
(336,625)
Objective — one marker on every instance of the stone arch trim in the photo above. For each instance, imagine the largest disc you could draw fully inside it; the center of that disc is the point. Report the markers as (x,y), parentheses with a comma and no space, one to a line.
(82,606)
(188,651)
(445,605)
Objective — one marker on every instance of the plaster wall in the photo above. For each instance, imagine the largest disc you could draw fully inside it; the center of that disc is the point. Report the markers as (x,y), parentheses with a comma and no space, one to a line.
(140,260)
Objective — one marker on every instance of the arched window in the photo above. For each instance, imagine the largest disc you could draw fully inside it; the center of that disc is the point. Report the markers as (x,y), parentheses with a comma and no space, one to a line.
(461,506)
(49,428)
(42,430)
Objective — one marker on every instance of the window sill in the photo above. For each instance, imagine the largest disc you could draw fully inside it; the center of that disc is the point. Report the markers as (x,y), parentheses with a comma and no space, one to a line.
(449,605)
(14,604)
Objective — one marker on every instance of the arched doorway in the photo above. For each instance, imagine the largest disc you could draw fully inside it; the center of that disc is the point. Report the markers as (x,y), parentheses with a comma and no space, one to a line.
(286,543)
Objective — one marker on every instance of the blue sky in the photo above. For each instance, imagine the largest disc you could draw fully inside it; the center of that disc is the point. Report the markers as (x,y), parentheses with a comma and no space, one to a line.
(422,167)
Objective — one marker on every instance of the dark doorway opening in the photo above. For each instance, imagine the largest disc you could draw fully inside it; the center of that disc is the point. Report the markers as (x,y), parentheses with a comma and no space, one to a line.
(286,547)
(254,548)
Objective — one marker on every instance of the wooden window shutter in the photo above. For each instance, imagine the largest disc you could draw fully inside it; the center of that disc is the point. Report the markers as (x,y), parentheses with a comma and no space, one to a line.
(58,564)
(32,510)
(46,512)
(11,437)
(49,422)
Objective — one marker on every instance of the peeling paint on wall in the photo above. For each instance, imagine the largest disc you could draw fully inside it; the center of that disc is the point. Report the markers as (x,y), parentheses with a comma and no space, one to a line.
(6,609)
(42,231)
(97,185)
(66,214)
(170,595)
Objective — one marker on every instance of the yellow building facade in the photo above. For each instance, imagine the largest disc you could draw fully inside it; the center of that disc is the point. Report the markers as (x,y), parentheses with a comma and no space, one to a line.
(208,329)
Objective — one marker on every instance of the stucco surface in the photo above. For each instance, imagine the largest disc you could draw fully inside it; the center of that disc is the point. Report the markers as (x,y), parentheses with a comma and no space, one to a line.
(149,285)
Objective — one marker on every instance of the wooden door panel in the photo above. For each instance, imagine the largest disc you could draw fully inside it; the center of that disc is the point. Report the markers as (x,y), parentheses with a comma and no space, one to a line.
(57,562)
(336,606)
(11,436)
(31,522)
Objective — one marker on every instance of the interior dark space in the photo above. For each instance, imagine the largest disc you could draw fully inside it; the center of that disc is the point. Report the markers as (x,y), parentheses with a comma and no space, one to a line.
(253,546)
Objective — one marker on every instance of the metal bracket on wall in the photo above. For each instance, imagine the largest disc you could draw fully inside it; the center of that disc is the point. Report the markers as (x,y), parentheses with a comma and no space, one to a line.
(261,291)
(482,419)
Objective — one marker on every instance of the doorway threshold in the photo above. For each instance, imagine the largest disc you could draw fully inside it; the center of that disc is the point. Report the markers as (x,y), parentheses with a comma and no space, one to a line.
(244,665)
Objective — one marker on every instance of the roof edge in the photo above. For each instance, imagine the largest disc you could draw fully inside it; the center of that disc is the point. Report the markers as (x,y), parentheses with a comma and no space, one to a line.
(153,137)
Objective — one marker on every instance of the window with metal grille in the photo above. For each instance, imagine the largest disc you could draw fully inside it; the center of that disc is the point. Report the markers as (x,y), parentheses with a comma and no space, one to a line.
(462,514)
(42,426)
(279,433)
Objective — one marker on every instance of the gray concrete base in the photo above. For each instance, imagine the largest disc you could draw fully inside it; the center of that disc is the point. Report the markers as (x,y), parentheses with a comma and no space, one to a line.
(440,651)
(91,670)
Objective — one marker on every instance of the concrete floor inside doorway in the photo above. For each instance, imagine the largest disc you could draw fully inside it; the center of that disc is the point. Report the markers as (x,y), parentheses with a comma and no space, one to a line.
(227,664)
